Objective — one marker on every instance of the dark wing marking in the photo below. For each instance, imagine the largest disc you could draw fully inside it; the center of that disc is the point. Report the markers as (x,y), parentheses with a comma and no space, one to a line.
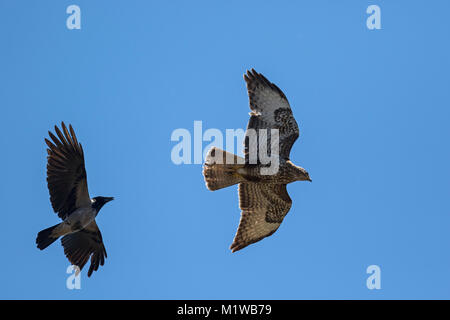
(81,245)
(270,110)
(263,208)
(66,174)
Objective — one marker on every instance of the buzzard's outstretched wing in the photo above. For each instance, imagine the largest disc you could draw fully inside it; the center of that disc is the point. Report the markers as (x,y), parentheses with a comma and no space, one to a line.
(66,175)
(263,208)
(270,110)
(81,245)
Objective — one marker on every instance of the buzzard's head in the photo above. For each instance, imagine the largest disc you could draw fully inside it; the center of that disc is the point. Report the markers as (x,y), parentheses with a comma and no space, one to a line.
(302,175)
(99,202)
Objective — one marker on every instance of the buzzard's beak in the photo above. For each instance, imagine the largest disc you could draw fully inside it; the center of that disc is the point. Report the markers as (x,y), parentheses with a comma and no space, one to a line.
(309,179)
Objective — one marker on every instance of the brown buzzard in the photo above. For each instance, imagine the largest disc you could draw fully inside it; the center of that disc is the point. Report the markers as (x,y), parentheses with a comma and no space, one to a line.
(263,198)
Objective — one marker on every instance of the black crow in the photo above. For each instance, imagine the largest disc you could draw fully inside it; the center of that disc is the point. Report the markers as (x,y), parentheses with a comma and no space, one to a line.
(67,184)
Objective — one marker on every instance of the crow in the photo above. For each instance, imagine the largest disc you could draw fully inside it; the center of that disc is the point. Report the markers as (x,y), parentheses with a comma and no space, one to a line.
(69,196)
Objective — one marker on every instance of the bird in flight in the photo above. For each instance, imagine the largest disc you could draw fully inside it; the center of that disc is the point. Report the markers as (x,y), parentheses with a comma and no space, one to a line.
(263,197)
(67,184)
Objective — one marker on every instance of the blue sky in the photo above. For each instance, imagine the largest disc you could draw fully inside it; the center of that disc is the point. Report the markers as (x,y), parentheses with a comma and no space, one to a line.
(373,110)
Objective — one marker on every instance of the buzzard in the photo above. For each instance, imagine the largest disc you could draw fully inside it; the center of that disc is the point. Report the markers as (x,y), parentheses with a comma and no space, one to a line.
(67,184)
(263,198)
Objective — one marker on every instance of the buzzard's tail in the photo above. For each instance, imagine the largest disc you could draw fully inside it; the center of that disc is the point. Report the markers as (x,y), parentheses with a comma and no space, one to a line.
(221,169)
(46,237)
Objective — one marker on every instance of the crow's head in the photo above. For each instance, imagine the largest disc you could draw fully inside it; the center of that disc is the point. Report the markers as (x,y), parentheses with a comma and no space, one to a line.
(99,202)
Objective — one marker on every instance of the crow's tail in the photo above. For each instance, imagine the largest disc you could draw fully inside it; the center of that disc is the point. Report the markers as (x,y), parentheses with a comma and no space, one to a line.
(46,237)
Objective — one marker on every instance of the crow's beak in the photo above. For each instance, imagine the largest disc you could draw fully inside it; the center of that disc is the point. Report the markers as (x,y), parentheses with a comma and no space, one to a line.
(108,199)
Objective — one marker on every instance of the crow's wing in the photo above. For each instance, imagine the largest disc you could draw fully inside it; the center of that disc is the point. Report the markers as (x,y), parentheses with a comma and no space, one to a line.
(81,245)
(66,174)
